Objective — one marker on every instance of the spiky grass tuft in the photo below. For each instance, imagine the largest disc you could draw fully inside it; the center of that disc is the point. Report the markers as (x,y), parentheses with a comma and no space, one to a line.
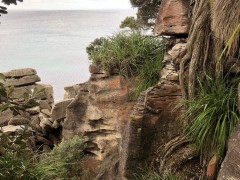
(134,55)
(213,116)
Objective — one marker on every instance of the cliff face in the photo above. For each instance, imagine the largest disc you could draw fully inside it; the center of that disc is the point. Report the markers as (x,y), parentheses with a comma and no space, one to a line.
(99,112)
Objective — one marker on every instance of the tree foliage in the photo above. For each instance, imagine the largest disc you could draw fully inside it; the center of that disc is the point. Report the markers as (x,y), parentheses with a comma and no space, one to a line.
(147,11)
(130,22)
(3,10)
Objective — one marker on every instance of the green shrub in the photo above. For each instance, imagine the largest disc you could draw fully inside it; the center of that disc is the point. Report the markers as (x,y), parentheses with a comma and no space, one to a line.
(134,55)
(213,115)
(63,162)
(13,166)
(69,153)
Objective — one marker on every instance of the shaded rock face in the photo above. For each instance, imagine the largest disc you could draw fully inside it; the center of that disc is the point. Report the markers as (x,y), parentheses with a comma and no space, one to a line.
(153,134)
(99,112)
(230,168)
(173,18)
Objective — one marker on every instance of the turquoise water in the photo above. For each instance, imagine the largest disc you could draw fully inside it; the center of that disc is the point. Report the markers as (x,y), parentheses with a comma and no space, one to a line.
(54,42)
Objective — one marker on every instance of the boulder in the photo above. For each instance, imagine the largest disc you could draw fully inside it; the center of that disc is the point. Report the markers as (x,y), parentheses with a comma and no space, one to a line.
(59,109)
(44,104)
(20,73)
(71,91)
(25,80)
(46,94)
(172,18)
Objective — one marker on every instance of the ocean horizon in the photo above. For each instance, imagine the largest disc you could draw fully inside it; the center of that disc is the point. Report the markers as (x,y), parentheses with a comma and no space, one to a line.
(54,41)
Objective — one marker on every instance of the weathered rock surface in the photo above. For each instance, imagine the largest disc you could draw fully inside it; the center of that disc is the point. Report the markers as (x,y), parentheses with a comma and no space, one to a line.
(59,109)
(172,18)
(20,73)
(99,112)
(25,80)
(153,133)
(72,91)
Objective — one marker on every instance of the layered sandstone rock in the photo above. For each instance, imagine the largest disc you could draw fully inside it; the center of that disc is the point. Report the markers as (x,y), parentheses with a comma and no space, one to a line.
(173,18)
(153,133)
(23,81)
(99,112)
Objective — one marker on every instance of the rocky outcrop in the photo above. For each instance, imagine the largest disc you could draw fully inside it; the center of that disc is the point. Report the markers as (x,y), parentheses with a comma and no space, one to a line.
(173,18)
(153,133)
(39,118)
(99,112)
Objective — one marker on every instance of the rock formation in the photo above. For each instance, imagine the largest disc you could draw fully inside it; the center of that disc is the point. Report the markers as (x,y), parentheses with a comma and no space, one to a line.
(39,118)
(99,112)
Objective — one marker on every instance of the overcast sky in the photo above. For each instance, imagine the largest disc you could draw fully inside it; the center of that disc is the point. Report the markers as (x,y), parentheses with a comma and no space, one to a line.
(72,4)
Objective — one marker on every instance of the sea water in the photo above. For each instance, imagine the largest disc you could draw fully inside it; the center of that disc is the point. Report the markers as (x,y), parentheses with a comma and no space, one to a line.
(54,42)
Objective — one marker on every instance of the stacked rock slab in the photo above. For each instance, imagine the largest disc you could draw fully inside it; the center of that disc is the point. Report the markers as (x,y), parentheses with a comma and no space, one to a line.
(24,80)
(99,111)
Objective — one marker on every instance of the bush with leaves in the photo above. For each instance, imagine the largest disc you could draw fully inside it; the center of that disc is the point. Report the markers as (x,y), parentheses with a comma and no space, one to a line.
(17,106)
(134,55)
(213,115)
(63,162)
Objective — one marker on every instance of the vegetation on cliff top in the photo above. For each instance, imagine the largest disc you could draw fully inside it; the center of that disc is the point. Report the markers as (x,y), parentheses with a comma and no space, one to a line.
(133,55)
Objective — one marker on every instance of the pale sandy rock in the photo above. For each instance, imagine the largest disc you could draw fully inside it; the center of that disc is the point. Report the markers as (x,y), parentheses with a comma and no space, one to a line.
(94,113)
(177,50)
(48,92)
(19,91)
(44,104)
(25,80)
(11,128)
(33,111)
(59,109)
(47,112)
(20,72)
(71,91)
(56,125)
(172,18)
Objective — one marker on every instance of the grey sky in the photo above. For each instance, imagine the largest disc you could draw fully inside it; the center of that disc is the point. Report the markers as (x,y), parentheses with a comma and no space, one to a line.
(73,4)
